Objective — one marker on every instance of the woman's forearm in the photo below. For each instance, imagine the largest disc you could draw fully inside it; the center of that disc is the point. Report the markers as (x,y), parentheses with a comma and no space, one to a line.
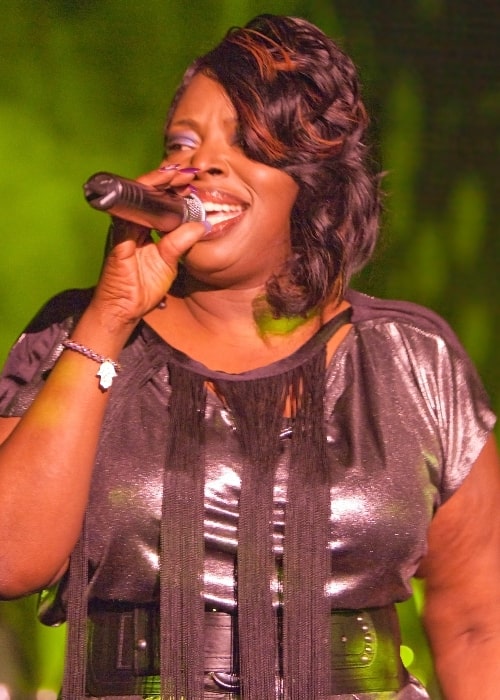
(46,462)
(470,669)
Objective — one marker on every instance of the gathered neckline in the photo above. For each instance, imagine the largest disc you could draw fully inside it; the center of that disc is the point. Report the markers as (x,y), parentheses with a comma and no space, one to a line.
(154,341)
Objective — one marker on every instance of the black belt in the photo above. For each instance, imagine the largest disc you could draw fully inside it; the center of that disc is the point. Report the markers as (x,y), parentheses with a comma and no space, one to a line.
(123,652)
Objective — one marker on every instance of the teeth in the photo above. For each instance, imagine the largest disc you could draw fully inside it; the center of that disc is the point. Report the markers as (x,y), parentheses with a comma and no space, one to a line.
(217,217)
(212,207)
(218,212)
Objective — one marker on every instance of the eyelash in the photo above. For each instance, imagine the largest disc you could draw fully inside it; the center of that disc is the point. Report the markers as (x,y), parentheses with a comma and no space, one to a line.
(179,145)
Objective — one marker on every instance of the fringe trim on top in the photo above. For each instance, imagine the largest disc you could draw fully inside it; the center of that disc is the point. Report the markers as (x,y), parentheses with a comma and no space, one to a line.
(306,628)
(303,651)
(300,647)
(181,542)
(257,408)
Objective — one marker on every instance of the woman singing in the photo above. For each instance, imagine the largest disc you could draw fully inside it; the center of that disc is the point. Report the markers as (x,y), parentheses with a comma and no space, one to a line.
(235,510)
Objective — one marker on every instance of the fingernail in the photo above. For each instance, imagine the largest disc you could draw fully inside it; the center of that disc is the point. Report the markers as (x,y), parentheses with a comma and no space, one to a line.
(192,188)
(166,168)
(207,225)
(189,170)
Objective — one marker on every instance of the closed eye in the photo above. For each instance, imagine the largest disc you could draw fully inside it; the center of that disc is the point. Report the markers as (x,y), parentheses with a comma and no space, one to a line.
(180,143)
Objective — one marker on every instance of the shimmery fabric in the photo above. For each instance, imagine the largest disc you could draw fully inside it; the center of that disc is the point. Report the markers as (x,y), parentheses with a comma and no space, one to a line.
(405,415)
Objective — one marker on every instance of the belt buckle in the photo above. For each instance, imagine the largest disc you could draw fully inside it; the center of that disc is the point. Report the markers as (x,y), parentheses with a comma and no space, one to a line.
(354,640)
(365,652)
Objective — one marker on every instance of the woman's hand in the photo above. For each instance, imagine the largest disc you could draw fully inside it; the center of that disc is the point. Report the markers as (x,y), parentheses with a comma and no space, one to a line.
(138,271)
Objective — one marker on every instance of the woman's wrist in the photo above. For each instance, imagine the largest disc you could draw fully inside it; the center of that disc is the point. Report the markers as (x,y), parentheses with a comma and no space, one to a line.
(103,330)
(108,368)
(112,317)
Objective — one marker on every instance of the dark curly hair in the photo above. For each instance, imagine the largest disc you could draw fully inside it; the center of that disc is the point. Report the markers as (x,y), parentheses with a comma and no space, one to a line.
(298,101)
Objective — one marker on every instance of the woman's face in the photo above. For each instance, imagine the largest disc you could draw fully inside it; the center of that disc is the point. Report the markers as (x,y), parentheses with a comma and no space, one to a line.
(248,203)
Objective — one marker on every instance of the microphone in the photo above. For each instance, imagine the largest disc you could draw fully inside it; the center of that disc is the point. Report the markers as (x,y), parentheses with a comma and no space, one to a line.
(154,207)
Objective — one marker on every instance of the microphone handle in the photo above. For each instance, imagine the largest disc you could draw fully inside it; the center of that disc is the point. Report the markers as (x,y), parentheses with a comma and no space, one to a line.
(156,208)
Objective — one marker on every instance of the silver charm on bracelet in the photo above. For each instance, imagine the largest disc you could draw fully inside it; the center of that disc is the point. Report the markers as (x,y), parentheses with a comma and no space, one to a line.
(108,368)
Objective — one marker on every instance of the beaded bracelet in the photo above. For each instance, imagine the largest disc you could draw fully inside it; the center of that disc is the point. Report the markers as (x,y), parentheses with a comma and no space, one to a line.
(108,369)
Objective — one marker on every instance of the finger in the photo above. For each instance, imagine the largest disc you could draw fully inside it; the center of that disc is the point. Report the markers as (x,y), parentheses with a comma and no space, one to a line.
(123,230)
(169,175)
(160,176)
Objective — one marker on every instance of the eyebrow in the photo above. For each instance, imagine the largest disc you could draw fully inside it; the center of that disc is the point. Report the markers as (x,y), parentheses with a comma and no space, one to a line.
(193,124)
(183,122)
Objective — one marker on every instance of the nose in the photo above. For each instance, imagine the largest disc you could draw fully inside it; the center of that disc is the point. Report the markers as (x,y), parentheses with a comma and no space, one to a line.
(209,158)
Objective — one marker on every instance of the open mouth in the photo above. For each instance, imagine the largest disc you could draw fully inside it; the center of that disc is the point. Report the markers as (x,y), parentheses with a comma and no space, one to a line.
(219,213)
(221,207)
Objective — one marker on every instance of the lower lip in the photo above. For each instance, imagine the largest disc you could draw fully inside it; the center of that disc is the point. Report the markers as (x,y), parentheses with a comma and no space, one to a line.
(220,229)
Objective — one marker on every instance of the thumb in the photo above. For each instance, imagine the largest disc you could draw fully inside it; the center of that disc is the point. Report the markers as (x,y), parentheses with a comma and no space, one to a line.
(172,246)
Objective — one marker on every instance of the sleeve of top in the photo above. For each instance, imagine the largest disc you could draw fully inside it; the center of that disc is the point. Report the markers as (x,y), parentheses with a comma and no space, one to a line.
(449,384)
(36,350)
(460,407)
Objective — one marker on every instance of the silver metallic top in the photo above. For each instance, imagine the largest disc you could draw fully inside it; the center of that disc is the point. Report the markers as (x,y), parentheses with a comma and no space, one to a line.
(405,414)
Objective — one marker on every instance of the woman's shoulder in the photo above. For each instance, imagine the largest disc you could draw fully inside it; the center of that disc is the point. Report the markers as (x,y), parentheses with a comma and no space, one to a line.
(69,303)
(403,345)
(37,348)
(404,314)
(56,316)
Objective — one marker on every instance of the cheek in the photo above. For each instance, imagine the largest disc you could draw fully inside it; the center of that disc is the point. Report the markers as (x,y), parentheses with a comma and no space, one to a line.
(277,188)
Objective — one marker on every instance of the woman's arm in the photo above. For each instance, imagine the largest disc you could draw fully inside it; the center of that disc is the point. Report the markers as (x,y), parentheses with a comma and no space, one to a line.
(46,462)
(462,570)
(47,457)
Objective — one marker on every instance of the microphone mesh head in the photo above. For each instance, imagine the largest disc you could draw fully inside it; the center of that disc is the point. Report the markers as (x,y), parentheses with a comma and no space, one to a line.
(195,211)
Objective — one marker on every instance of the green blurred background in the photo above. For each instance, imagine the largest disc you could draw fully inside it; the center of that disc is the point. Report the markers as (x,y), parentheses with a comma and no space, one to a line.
(84,86)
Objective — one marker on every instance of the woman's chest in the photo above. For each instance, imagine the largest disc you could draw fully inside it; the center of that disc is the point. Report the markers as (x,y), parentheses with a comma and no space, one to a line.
(382,472)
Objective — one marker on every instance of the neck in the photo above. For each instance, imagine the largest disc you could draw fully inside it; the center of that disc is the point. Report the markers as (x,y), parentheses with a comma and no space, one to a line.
(242,313)
(233,330)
